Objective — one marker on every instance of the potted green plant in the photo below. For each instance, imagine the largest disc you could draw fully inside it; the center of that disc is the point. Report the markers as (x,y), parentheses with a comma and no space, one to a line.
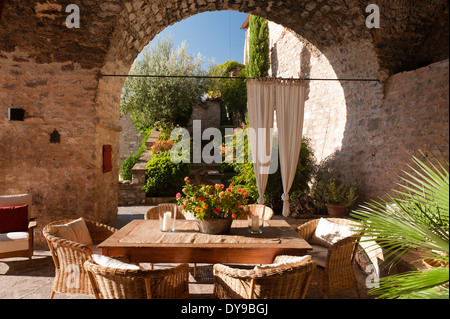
(214,206)
(334,195)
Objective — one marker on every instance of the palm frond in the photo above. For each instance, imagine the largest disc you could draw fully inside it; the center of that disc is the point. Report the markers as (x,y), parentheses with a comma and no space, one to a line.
(430,183)
(414,218)
(429,284)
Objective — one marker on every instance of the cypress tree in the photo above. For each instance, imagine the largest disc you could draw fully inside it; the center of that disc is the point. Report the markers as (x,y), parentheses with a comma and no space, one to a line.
(259,59)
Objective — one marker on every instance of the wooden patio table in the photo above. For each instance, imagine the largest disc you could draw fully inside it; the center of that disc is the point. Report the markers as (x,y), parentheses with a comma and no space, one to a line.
(142,241)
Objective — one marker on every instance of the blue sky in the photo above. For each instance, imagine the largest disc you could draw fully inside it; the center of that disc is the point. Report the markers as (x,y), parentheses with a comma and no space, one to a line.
(215,35)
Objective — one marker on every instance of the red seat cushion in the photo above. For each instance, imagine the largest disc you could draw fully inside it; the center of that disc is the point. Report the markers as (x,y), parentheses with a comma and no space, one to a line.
(13,219)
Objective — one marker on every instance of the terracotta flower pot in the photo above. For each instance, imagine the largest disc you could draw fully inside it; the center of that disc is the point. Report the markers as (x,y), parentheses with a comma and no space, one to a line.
(336,211)
(215,226)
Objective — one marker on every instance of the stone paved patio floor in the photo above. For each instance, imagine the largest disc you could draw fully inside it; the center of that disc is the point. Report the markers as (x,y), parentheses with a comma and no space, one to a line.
(19,281)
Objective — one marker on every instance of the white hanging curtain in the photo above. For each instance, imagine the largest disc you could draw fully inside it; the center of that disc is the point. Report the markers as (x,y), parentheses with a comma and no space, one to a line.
(290,105)
(260,117)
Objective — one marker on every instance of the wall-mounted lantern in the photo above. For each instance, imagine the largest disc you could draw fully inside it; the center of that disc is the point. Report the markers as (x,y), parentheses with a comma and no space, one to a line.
(16,114)
(55,137)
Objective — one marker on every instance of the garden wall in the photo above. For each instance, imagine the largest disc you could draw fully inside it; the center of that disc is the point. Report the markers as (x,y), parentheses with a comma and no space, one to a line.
(131,194)
(130,139)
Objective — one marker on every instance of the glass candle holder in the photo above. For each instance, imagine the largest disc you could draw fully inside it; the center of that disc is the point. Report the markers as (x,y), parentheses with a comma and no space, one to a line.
(167,217)
(255,224)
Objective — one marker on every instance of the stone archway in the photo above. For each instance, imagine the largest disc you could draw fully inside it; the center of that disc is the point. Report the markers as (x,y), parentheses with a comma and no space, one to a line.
(54,74)
(345,23)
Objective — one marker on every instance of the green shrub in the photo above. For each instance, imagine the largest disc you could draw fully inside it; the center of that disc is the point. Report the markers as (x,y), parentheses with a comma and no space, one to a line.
(274,188)
(331,187)
(245,178)
(231,92)
(130,161)
(127,166)
(163,177)
(333,192)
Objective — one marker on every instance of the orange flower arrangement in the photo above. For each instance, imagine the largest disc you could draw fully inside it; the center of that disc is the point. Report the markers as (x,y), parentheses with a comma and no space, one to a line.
(213,201)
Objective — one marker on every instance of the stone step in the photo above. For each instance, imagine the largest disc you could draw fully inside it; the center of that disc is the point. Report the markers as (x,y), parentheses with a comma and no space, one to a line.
(154,135)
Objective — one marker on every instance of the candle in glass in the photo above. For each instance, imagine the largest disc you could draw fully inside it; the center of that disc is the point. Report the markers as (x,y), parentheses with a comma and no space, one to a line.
(255,223)
(167,221)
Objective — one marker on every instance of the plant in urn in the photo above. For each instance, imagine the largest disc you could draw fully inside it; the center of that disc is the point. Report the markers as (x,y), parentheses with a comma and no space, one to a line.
(214,206)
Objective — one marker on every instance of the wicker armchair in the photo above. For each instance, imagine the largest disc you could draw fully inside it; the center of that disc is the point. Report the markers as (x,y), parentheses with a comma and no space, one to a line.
(113,283)
(338,273)
(153,213)
(69,257)
(282,282)
(260,210)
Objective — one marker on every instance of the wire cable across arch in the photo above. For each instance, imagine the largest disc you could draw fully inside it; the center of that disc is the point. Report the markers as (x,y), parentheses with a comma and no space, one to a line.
(237,77)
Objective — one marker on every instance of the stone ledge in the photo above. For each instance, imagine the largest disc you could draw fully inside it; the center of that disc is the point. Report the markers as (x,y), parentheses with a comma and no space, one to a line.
(131,194)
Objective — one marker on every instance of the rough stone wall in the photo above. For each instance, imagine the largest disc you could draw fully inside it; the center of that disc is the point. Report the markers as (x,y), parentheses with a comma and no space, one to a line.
(387,125)
(131,194)
(414,118)
(52,73)
(371,130)
(130,139)
(325,106)
(57,174)
(106,201)
(208,112)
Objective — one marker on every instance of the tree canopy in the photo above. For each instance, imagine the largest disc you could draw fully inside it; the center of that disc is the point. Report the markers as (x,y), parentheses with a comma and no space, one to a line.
(168,101)
(231,92)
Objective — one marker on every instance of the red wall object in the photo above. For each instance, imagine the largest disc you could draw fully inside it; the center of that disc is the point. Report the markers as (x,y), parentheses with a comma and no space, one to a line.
(107,158)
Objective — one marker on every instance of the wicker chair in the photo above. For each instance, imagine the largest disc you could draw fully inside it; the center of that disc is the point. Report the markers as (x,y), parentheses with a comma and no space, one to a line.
(153,213)
(260,210)
(69,257)
(113,283)
(338,273)
(282,282)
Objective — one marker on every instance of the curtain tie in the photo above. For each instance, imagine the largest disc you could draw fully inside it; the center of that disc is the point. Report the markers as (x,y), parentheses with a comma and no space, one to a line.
(285,199)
